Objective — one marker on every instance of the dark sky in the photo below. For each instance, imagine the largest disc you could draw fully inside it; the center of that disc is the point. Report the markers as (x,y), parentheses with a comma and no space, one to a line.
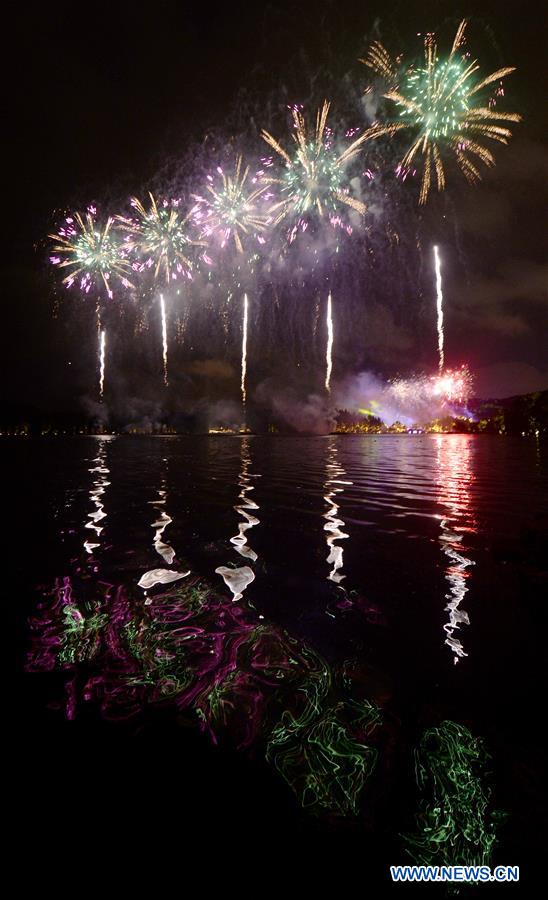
(100,95)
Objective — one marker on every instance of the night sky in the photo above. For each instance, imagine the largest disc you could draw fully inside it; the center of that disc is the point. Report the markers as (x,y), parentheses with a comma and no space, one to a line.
(103,96)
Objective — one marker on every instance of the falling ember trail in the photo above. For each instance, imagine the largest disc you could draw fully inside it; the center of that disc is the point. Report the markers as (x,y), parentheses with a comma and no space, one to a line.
(439,302)
(244,353)
(329,354)
(102,342)
(164,335)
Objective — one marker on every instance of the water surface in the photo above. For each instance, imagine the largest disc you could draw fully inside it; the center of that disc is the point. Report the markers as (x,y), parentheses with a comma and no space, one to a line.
(419,557)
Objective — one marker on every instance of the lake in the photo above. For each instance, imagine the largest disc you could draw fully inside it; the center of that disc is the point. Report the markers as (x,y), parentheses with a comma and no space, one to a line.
(389,584)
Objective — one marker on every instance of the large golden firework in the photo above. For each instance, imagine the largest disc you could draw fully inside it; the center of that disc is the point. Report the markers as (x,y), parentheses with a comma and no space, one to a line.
(160,236)
(436,102)
(232,209)
(314,179)
(90,252)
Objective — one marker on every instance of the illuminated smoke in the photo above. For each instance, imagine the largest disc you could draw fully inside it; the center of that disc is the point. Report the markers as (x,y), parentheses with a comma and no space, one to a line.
(439,304)
(164,335)
(329,353)
(417,399)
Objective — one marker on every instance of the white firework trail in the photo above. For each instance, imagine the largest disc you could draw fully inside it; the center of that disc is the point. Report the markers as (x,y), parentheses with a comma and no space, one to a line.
(164,335)
(102,345)
(244,353)
(439,303)
(329,353)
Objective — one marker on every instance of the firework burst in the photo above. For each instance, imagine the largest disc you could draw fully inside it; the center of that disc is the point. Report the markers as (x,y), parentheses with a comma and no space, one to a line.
(91,253)
(160,237)
(315,182)
(439,102)
(453,385)
(231,209)
(449,386)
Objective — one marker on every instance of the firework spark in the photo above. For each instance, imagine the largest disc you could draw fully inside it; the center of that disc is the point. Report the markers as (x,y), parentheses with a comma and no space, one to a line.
(164,335)
(420,399)
(160,237)
(231,210)
(439,308)
(91,253)
(329,351)
(436,102)
(244,353)
(453,385)
(314,181)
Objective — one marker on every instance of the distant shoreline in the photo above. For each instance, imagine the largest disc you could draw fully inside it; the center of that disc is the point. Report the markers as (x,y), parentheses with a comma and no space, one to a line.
(522,415)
